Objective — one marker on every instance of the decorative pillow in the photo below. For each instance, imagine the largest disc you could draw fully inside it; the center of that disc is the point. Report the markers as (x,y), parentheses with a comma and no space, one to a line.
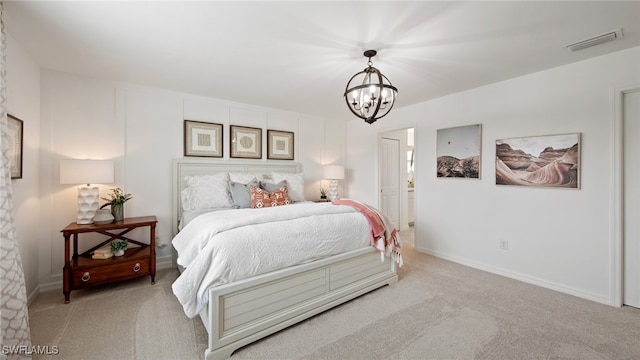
(270,187)
(262,198)
(244,178)
(207,191)
(295,184)
(241,194)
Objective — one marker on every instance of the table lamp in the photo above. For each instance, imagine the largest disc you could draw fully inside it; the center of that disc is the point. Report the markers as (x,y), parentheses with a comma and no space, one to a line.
(333,173)
(87,172)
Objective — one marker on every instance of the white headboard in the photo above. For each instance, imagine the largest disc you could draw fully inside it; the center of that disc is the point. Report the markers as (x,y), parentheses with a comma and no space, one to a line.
(191,167)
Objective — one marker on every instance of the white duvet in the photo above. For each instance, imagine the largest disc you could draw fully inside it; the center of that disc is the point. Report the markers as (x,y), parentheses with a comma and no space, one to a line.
(229,245)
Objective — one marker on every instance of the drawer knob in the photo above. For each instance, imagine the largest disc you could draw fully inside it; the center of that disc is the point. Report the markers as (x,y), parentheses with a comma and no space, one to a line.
(86,276)
(136,268)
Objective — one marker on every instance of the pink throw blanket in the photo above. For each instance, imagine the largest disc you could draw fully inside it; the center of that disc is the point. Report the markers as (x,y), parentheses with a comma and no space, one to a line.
(383,237)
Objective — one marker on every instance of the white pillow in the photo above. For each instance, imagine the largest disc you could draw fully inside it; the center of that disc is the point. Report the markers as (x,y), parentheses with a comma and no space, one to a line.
(206,192)
(295,184)
(244,178)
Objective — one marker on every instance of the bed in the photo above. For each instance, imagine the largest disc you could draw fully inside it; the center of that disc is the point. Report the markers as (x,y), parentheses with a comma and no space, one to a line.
(243,311)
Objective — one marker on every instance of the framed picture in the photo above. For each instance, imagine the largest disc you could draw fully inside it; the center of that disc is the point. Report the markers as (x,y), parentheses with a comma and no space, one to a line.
(246,142)
(279,145)
(458,152)
(202,139)
(16,132)
(539,161)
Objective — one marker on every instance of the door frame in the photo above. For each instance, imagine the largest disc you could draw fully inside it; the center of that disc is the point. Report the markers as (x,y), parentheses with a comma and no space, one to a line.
(617,197)
(381,138)
(403,198)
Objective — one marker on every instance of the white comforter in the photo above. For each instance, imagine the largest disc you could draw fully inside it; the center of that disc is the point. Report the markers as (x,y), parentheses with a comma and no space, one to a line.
(229,245)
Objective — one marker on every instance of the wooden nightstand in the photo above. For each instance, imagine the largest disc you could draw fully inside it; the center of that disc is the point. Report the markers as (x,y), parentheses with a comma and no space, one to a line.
(81,271)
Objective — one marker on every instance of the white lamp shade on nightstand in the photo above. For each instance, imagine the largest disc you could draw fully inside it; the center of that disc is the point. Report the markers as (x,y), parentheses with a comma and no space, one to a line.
(333,173)
(87,172)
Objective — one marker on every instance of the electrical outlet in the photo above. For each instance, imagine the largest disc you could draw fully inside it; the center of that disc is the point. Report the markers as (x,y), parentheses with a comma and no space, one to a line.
(504,244)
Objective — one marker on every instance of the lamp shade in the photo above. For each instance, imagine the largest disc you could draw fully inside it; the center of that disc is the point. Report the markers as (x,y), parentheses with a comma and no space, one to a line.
(86,171)
(333,172)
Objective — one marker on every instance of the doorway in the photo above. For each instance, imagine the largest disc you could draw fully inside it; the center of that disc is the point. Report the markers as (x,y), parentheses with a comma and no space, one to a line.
(395,177)
(631,198)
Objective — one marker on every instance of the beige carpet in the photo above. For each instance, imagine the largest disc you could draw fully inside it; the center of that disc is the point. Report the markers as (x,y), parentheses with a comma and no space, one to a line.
(438,310)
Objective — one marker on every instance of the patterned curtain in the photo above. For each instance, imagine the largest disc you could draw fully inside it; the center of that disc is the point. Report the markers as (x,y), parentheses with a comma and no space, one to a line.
(16,337)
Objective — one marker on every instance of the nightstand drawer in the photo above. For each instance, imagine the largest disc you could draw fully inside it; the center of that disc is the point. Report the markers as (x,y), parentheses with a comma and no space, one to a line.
(107,273)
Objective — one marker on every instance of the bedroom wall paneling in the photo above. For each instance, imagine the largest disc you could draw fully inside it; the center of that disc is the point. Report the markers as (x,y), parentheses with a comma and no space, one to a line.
(465,221)
(142,129)
(23,101)
(81,120)
(310,135)
(152,132)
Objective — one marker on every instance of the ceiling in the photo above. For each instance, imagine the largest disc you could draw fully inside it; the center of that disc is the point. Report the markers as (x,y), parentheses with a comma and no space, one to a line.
(298,56)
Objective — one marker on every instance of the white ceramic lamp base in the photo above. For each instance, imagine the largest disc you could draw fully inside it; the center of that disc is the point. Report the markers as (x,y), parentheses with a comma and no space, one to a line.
(88,198)
(333,190)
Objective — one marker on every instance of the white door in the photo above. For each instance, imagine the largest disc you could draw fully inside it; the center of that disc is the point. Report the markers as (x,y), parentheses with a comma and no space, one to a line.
(389,180)
(631,116)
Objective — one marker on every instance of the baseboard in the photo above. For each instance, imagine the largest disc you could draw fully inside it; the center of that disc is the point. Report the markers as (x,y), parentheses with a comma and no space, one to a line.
(165,262)
(33,295)
(520,277)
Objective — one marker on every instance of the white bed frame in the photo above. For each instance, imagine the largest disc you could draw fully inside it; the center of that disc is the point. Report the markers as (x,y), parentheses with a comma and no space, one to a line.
(244,311)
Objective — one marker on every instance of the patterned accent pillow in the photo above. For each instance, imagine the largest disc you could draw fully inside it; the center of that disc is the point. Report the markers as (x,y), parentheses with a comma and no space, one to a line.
(262,198)
(206,192)
(241,194)
(295,184)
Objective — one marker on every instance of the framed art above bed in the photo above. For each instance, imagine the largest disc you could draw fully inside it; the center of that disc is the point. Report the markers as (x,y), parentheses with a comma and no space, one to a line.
(202,139)
(246,142)
(280,145)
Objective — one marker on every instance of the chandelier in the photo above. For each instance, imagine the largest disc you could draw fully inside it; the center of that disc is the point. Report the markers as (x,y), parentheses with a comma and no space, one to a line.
(369,94)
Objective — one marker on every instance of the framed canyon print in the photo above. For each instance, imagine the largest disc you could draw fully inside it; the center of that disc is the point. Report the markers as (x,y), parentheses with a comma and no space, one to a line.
(458,152)
(279,145)
(246,142)
(539,161)
(202,139)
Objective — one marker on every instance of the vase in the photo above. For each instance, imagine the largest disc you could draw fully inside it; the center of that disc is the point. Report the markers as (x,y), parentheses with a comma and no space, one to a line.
(103,216)
(118,212)
(118,252)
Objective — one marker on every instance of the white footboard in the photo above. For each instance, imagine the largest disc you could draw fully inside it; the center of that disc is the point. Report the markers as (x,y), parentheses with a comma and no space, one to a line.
(245,311)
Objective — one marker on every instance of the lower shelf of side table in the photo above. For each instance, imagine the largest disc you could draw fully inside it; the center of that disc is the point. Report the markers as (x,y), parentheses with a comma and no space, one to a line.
(87,272)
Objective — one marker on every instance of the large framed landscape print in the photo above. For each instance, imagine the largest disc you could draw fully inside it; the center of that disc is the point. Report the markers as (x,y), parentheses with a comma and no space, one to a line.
(458,151)
(539,161)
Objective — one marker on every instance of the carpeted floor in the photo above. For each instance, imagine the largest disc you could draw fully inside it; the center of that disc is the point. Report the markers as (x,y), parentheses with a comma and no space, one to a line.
(438,310)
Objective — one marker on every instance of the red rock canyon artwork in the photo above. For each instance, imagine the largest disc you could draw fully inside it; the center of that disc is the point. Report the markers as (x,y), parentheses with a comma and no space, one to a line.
(539,161)
(458,152)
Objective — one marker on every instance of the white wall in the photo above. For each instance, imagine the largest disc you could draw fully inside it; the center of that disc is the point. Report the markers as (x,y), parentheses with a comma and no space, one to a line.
(23,102)
(558,238)
(142,129)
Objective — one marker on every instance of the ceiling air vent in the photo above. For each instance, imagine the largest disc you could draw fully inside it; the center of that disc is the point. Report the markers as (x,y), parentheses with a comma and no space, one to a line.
(596,40)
